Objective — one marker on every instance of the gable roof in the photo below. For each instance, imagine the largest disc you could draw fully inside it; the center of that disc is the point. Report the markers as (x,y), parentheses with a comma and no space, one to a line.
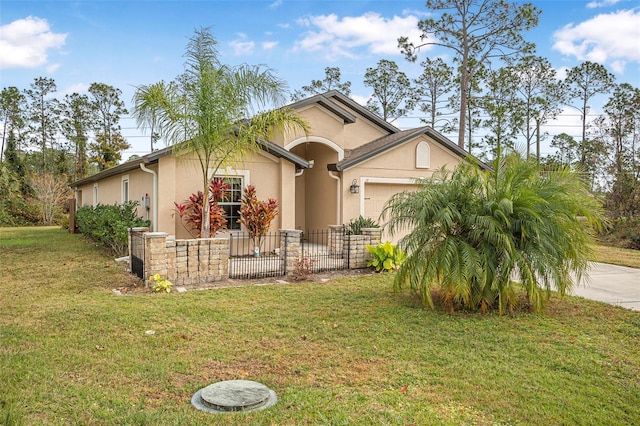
(340,105)
(154,156)
(388,142)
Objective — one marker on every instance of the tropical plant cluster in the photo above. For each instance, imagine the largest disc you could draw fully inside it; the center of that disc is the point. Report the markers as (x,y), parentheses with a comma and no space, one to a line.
(257,215)
(481,235)
(385,257)
(190,211)
(355,226)
(160,284)
(109,225)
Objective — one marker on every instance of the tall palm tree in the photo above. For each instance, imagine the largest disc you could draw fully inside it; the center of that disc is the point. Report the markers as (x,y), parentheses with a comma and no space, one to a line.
(147,102)
(475,232)
(213,111)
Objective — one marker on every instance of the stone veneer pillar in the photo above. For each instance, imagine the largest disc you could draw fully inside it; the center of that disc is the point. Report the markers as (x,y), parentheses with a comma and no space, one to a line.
(290,242)
(355,246)
(336,240)
(155,254)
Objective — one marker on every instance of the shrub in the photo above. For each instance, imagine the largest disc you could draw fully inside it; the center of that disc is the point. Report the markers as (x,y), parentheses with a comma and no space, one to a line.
(190,212)
(302,268)
(257,215)
(476,232)
(109,225)
(355,225)
(386,257)
(159,284)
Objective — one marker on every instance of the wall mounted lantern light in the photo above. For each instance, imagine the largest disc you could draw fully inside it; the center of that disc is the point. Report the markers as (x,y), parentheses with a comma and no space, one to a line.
(354,188)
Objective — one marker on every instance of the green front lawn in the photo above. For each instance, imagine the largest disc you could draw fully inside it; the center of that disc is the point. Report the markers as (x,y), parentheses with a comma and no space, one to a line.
(347,351)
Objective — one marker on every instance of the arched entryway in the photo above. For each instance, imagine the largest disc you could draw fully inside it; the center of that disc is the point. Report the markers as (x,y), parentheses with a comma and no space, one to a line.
(317,190)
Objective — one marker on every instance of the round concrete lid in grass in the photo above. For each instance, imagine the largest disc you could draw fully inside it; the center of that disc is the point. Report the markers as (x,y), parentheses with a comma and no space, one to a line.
(233,396)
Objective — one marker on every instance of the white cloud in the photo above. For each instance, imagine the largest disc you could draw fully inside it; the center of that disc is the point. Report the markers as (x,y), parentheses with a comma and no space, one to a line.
(52,68)
(561,73)
(24,43)
(607,38)
(362,100)
(603,3)
(268,45)
(347,36)
(276,4)
(74,88)
(242,46)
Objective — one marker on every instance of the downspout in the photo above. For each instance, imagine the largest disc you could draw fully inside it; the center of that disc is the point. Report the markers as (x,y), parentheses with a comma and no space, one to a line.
(338,187)
(154,197)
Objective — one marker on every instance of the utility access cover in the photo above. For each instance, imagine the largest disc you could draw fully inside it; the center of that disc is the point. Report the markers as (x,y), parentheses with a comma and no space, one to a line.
(233,396)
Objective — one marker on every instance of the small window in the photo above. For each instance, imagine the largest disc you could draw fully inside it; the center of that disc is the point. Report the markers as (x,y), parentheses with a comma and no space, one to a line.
(231,202)
(423,156)
(125,189)
(95,195)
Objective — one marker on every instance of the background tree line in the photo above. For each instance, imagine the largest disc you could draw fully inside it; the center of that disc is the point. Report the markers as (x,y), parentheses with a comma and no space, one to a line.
(47,142)
(507,108)
(496,94)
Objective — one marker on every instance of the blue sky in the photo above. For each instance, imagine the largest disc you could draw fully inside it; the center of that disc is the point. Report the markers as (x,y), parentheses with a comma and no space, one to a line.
(129,43)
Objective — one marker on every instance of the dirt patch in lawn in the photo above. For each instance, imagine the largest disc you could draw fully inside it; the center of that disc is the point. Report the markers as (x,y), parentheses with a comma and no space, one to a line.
(136,285)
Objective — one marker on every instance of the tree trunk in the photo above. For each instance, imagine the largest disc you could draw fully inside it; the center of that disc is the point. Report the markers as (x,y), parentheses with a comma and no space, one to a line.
(464,95)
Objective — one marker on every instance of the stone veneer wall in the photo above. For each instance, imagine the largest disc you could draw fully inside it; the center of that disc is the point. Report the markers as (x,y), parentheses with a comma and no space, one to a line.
(353,247)
(185,262)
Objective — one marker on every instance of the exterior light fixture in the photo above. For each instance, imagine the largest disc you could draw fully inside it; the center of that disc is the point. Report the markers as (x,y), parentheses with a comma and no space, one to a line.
(354,188)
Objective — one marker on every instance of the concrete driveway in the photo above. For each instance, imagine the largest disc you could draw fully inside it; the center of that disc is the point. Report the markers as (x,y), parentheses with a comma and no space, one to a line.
(617,285)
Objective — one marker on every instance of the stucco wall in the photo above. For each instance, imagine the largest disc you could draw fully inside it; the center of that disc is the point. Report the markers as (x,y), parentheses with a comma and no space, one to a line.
(316,202)
(327,125)
(110,190)
(395,166)
(185,177)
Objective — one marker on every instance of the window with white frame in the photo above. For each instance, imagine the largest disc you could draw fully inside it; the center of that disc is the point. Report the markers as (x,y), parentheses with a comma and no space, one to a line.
(125,189)
(230,202)
(423,156)
(95,194)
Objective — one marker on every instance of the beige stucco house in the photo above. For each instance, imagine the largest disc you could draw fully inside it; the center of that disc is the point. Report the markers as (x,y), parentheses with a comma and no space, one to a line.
(351,162)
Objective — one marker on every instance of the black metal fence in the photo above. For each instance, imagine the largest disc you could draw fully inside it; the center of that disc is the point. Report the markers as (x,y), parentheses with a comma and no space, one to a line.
(249,260)
(325,250)
(137,253)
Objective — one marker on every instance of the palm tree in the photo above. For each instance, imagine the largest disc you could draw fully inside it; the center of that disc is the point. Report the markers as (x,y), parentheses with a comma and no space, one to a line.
(476,231)
(147,102)
(212,111)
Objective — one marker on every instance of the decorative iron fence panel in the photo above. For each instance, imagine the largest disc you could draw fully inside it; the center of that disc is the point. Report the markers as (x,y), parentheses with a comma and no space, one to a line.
(137,253)
(325,249)
(246,263)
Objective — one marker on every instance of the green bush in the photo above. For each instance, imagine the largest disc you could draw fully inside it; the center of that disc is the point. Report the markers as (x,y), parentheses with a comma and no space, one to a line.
(356,225)
(479,235)
(17,211)
(386,257)
(109,225)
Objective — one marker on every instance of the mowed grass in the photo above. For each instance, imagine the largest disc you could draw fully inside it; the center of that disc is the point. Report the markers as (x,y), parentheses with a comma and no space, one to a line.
(347,351)
(617,256)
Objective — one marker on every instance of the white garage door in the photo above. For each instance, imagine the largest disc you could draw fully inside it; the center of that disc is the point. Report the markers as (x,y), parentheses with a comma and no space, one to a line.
(376,196)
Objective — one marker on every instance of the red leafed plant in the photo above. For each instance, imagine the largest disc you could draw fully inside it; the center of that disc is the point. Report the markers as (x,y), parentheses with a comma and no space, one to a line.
(256,215)
(190,212)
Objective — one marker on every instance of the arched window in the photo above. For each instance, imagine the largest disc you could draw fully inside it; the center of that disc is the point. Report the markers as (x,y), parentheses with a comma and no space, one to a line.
(423,156)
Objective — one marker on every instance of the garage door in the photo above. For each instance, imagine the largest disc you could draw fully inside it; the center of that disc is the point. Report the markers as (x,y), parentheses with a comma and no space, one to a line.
(376,196)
